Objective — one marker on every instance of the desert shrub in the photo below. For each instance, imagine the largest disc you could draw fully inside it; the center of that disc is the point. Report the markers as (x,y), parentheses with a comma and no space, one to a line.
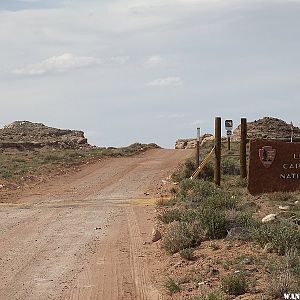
(241,182)
(172,286)
(187,254)
(181,235)
(210,296)
(166,202)
(185,170)
(207,173)
(213,222)
(234,284)
(282,235)
(281,197)
(281,283)
(230,167)
(170,215)
(203,193)
(292,261)
(6,173)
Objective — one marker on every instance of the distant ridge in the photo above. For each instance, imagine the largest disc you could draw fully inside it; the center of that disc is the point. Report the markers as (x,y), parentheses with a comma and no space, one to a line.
(28,135)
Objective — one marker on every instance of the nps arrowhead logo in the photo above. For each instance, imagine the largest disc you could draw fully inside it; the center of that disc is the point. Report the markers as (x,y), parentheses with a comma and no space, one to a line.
(267,156)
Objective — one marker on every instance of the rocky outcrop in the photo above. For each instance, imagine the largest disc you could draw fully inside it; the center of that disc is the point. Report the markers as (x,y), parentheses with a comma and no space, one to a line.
(268,128)
(192,143)
(27,135)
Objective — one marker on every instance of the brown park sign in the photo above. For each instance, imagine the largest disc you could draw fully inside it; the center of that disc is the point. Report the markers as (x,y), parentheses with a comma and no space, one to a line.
(274,166)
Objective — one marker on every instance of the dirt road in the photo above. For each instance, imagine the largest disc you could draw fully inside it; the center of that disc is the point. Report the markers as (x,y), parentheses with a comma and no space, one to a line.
(84,236)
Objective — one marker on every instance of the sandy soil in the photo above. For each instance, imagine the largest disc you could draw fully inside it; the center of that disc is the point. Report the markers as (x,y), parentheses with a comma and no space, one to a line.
(86,236)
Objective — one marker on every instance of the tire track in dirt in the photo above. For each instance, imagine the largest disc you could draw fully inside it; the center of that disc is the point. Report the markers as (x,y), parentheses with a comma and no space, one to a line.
(52,250)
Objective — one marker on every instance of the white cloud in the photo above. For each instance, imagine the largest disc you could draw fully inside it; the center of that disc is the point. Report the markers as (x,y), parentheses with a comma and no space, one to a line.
(120,60)
(155,62)
(167,81)
(55,64)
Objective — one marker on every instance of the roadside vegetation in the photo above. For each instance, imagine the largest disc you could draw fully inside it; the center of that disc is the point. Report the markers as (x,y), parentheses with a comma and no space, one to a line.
(223,247)
(19,167)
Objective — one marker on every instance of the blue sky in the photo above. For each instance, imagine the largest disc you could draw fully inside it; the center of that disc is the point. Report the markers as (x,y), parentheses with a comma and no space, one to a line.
(148,71)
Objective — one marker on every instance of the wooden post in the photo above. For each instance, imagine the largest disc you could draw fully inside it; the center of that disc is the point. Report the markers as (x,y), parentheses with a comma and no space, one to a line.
(198,148)
(228,142)
(243,149)
(217,173)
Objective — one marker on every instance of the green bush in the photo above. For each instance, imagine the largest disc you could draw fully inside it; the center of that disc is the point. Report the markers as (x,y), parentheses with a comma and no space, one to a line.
(172,286)
(187,254)
(230,167)
(282,235)
(181,235)
(213,222)
(234,284)
(204,193)
(170,215)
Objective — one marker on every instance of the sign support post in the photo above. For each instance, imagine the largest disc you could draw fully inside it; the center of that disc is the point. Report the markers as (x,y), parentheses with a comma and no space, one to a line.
(198,148)
(243,149)
(217,173)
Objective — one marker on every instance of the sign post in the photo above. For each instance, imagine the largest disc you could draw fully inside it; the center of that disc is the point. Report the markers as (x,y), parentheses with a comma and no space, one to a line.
(228,127)
(198,147)
(218,145)
(243,149)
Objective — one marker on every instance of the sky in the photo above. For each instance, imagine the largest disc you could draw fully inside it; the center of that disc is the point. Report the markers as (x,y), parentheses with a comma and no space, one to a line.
(126,71)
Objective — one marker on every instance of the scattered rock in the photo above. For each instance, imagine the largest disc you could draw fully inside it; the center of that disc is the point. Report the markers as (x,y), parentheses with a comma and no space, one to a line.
(156,235)
(269,218)
(284,207)
(247,261)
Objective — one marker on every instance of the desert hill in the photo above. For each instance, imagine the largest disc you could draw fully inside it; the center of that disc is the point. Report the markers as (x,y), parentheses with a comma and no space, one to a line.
(27,135)
(268,128)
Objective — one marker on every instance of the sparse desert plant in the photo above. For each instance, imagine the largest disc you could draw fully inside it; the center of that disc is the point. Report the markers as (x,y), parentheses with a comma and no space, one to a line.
(204,193)
(213,222)
(282,235)
(187,254)
(166,202)
(170,215)
(281,283)
(234,284)
(230,167)
(172,286)
(292,261)
(210,296)
(281,197)
(181,235)
(241,182)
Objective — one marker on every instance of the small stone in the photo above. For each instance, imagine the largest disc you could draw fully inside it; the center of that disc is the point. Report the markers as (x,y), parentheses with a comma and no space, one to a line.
(247,261)
(156,235)
(269,218)
(284,207)
(296,202)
